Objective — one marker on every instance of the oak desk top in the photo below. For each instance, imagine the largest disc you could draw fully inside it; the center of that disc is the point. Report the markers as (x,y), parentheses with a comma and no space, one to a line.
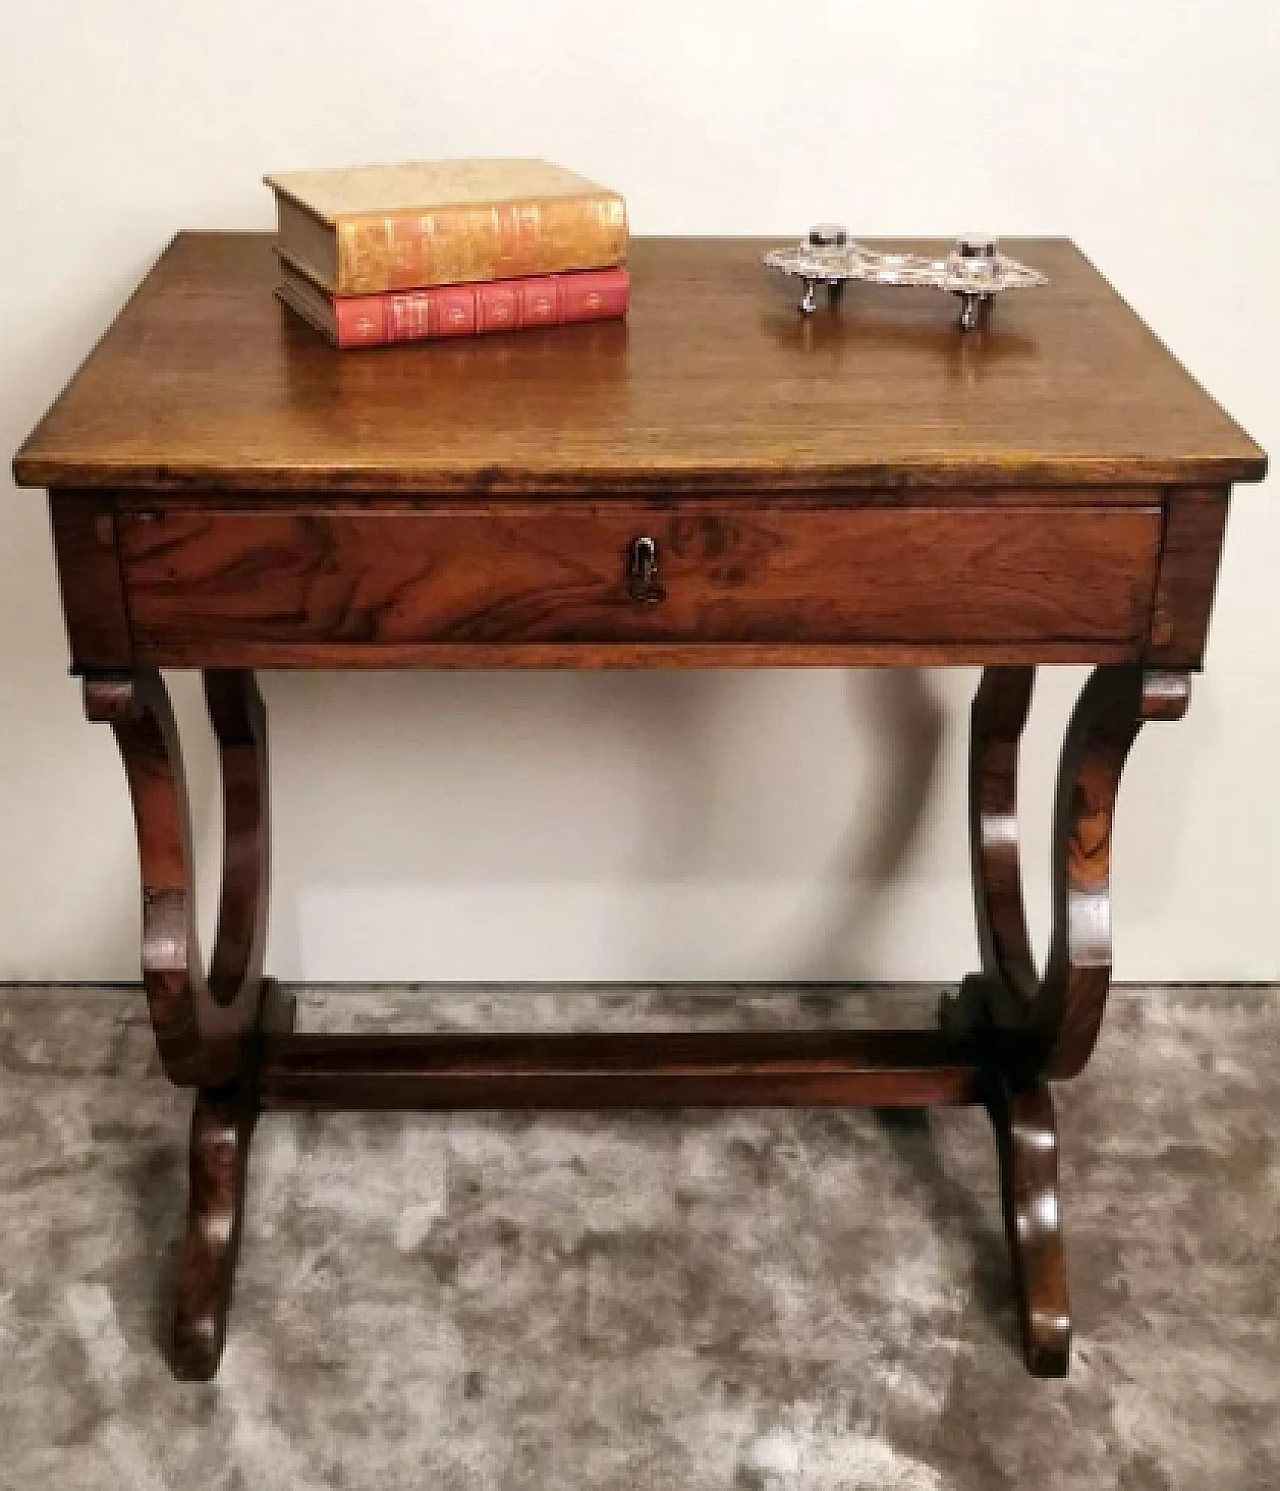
(714,383)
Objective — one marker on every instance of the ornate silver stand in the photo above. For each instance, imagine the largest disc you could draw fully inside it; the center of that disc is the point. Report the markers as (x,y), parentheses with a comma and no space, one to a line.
(975,270)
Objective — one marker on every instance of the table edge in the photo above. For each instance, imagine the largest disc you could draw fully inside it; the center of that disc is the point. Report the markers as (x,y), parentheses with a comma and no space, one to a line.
(48,472)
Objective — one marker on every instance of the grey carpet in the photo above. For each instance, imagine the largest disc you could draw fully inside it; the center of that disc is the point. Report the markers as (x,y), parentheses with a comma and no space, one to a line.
(655,1302)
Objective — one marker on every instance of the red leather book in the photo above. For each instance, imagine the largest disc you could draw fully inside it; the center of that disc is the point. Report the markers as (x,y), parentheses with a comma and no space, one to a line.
(455,310)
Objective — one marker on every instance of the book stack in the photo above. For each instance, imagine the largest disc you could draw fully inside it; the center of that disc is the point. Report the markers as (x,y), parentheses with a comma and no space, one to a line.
(377,254)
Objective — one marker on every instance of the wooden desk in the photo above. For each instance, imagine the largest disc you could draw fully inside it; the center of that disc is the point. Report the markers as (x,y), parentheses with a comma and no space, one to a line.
(868,487)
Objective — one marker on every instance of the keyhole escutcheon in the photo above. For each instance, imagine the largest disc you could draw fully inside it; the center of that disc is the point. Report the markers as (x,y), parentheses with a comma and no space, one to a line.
(642,571)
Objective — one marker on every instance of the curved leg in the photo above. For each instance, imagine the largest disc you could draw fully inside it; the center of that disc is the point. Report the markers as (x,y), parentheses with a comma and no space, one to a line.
(221,1127)
(1051,1023)
(1008,979)
(240,727)
(222,1124)
(1042,1027)
(1027,1137)
(1069,1004)
(203,1026)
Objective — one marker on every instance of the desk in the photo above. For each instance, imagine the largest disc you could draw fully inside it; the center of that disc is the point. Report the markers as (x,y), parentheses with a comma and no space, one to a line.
(714,483)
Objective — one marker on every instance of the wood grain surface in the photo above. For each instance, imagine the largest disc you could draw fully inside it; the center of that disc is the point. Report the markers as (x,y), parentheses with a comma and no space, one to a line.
(93,604)
(713,382)
(254,584)
(204,1025)
(222,1125)
(762,1068)
(1194,531)
(1027,1144)
(1053,1018)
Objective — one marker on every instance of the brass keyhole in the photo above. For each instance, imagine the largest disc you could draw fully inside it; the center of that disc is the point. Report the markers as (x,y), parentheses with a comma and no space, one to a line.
(642,572)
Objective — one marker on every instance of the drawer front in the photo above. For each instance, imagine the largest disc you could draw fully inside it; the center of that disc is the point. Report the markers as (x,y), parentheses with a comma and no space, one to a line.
(254,583)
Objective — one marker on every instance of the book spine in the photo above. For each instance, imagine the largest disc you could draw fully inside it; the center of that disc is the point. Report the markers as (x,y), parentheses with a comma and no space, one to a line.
(473,310)
(463,244)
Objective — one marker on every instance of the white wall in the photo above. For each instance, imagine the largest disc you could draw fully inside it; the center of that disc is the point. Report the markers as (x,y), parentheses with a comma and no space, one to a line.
(628,826)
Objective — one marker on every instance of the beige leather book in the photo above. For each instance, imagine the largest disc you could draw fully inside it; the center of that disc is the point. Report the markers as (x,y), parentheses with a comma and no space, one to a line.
(365,229)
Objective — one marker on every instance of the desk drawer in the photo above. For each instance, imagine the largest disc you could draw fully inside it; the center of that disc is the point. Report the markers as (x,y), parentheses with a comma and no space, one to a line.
(253,583)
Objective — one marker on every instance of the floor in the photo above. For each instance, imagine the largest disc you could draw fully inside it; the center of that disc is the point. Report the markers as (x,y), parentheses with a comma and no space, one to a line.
(815,1301)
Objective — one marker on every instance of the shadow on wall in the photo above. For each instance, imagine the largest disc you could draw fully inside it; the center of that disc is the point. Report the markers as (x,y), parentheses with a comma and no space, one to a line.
(898,711)
(775,811)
